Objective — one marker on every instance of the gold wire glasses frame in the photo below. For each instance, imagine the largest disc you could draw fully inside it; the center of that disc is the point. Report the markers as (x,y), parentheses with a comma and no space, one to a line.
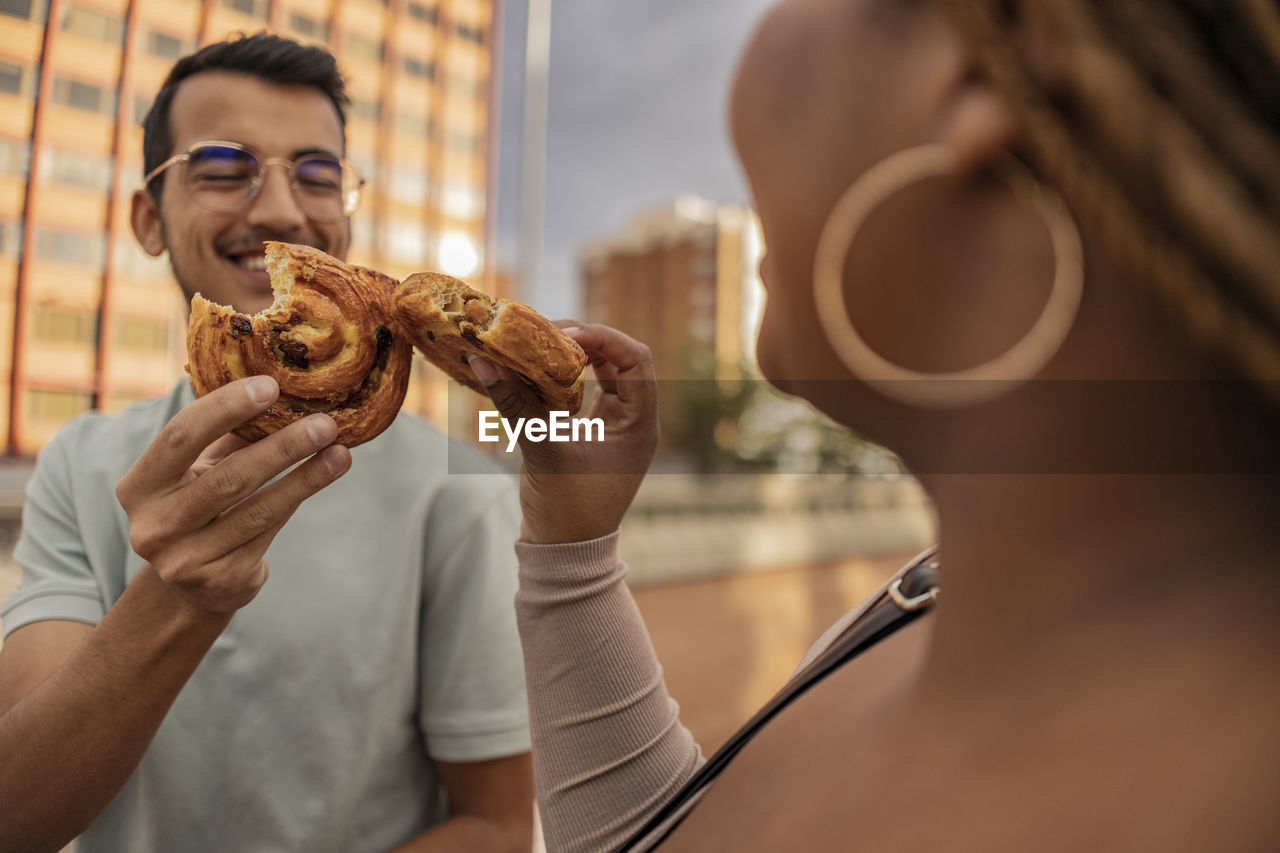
(222,177)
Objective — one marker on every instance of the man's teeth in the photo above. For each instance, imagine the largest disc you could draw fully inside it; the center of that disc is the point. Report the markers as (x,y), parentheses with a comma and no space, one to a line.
(252,262)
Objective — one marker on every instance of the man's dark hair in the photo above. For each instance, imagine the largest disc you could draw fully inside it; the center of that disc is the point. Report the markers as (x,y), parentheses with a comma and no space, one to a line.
(267,57)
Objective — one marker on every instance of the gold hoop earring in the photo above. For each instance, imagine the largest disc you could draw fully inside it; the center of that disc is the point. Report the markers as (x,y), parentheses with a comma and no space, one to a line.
(963,387)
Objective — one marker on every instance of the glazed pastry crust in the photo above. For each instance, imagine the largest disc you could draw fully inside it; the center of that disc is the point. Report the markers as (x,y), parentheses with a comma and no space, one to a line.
(330,340)
(448,321)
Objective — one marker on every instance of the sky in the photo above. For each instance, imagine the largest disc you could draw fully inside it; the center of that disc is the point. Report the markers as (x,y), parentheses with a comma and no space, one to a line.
(637,115)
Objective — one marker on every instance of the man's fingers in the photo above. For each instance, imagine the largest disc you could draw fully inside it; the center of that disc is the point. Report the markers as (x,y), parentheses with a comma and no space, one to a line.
(266,511)
(192,430)
(228,582)
(216,452)
(238,476)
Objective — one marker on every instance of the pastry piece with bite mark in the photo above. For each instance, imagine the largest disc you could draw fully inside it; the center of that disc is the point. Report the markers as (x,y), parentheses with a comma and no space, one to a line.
(449,321)
(329,339)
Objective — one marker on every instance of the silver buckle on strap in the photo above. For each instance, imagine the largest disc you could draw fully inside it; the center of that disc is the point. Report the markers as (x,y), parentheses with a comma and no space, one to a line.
(915,602)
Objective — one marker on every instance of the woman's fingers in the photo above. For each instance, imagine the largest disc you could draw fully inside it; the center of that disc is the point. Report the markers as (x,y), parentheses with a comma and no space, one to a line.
(623,366)
(511,396)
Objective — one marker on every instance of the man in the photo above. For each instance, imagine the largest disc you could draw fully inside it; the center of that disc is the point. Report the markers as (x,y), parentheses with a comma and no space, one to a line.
(157,690)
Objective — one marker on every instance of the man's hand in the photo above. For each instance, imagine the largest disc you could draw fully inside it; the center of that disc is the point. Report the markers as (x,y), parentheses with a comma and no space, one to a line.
(80,705)
(576,491)
(199,509)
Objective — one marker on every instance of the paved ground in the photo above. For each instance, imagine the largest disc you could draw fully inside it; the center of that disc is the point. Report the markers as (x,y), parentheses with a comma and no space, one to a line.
(727,645)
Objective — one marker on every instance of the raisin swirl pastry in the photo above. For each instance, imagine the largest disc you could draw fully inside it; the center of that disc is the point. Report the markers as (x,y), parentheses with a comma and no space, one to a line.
(329,340)
(448,321)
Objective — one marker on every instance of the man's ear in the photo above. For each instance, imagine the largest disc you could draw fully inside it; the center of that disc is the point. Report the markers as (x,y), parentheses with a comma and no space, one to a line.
(144,216)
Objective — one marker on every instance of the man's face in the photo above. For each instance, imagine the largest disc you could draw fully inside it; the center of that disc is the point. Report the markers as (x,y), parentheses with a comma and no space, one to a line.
(220,255)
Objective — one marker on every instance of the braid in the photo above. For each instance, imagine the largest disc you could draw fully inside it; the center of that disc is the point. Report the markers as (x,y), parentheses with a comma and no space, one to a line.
(1160,129)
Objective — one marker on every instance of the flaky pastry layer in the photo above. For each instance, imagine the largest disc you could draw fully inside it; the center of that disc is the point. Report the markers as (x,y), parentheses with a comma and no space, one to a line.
(448,321)
(329,339)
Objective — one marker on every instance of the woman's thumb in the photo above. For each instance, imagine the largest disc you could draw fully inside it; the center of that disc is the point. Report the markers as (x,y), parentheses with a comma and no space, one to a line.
(513,398)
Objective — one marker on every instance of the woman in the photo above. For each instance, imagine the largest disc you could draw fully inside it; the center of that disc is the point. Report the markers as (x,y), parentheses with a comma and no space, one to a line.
(1104,669)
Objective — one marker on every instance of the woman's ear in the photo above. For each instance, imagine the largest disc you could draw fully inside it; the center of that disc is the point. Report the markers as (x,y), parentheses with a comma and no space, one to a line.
(977,126)
(144,216)
(978,123)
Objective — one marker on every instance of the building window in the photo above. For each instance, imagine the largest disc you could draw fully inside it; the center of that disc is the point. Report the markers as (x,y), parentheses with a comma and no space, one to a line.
(55,325)
(423,12)
(411,187)
(404,242)
(170,47)
(419,68)
(120,402)
(93,24)
(464,143)
(26,9)
(15,157)
(415,124)
(471,34)
(466,87)
(304,26)
(367,110)
(360,47)
(75,169)
(462,200)
(252,8)
(10,78)
(141,334)
(69,247)
(84,96)
(17,79)
(57,406)
(11,239)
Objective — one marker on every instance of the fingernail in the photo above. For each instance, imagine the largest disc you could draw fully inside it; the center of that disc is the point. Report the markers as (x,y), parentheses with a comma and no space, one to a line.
(569,330)
(334,462)
(484,371)
(321,429)
(261,389)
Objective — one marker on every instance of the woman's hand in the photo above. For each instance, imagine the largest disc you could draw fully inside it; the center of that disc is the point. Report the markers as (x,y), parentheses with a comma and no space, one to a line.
(579,490)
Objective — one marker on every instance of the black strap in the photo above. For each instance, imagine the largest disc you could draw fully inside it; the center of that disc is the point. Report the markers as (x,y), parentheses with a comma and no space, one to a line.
(909,597)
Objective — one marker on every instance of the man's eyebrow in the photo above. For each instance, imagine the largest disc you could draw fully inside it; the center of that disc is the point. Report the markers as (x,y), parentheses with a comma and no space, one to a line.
(306,152)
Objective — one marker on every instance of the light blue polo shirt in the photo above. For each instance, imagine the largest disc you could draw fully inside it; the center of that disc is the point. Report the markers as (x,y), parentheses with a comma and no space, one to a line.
(384,637)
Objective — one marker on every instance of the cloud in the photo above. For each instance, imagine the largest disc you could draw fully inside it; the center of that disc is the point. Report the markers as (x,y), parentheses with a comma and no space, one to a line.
(636,116)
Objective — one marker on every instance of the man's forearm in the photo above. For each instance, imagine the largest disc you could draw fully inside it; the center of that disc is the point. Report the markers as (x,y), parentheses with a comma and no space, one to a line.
(72,742)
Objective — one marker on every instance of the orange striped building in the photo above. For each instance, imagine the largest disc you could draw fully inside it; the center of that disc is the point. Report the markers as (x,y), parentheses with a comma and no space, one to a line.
(87,320)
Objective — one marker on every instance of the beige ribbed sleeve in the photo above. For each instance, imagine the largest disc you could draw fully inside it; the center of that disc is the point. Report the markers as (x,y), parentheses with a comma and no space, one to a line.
(608,747)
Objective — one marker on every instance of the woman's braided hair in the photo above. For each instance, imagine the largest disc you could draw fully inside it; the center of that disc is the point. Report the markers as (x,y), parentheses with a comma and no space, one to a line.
(1160,125)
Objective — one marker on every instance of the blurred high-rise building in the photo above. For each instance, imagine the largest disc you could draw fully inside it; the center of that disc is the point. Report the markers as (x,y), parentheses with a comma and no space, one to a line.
(684,279)
(86,318)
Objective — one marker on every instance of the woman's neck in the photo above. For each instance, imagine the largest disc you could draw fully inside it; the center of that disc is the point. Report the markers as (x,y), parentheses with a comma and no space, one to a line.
(1061,578)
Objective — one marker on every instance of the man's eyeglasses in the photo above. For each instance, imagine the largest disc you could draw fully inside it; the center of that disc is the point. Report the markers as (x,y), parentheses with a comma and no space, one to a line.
(223,177)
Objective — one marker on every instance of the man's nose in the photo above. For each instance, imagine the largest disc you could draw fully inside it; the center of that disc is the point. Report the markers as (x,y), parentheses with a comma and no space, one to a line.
(275,206)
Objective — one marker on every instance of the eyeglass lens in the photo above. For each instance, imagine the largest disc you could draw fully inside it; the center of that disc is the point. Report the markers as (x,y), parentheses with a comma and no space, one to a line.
(221,178)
